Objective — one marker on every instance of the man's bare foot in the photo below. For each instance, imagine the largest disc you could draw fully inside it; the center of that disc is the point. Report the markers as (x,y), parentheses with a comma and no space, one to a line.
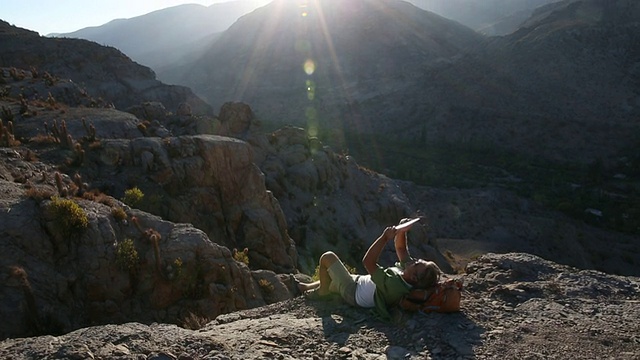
(307,286)
(315,294)
(302,287)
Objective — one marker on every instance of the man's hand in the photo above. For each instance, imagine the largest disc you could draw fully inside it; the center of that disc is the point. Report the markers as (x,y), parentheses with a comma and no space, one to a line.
(389,233)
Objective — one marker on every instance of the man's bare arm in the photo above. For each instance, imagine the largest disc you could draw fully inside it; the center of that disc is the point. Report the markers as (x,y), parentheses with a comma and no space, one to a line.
(400,241)
(370,259)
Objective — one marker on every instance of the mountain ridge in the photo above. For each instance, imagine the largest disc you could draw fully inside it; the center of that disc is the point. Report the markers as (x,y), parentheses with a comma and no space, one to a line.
(349,65)
(493,17)
(105,72)
(165,32)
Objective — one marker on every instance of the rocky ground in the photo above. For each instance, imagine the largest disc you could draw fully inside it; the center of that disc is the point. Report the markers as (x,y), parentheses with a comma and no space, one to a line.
(515,306)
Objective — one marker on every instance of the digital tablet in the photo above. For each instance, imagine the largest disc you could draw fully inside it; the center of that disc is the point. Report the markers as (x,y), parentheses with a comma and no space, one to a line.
(407,224)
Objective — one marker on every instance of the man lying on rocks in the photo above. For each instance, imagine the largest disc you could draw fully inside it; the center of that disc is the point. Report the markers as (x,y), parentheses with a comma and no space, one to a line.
(382,287)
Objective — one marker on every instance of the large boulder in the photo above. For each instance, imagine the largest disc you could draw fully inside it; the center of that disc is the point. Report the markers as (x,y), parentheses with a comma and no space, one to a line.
(55,278)
(236,119)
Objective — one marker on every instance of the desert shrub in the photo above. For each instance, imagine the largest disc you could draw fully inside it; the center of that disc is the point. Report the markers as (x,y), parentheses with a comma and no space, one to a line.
(266,285)
(118,213)
(48,79)
(18,273)
(30,156)
(16,74)
(68,215)
(177,267)
(143,128)
(126,255)
(176,272)
(241,256)
(133,196)
(316,274)
(51,101)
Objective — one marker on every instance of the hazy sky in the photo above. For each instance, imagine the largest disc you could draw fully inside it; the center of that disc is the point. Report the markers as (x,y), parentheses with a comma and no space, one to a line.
(62,16)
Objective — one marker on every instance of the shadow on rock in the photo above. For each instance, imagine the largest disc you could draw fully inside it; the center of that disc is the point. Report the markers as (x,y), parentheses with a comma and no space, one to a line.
(359,331)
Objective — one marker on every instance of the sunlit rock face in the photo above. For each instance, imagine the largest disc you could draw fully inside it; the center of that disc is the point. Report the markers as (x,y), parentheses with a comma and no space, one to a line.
(208,181)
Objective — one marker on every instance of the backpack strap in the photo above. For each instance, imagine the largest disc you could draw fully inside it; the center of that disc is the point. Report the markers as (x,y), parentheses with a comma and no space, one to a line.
(413,300)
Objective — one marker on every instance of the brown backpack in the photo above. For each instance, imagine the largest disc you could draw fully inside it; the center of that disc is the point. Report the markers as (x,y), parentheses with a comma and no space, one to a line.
(443,297)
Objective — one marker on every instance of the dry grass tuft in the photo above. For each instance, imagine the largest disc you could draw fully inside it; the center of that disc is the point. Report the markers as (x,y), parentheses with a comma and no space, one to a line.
(40,193)
(194,322)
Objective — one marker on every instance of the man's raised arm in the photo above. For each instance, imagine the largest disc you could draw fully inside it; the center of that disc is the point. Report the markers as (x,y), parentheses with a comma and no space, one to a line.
(370,259)
(400,241)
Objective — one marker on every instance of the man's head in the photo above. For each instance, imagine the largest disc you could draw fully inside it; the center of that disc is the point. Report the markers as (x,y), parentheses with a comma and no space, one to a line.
(422,274)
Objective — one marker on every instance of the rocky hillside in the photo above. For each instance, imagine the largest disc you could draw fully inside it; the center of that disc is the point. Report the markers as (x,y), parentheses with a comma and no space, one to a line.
(548,111)
(562,88)
(514,306)
(103,72)
(575,59)
(169,255)
(78,241)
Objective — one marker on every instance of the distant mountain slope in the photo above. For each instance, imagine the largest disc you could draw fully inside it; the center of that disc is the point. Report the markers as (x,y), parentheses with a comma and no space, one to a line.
(490,17)
(565,87)
(353,50)
(577,64)
(103,71)
(165,36)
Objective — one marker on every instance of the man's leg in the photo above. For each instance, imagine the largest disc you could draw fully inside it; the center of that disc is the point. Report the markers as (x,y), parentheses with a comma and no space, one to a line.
(326,260)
